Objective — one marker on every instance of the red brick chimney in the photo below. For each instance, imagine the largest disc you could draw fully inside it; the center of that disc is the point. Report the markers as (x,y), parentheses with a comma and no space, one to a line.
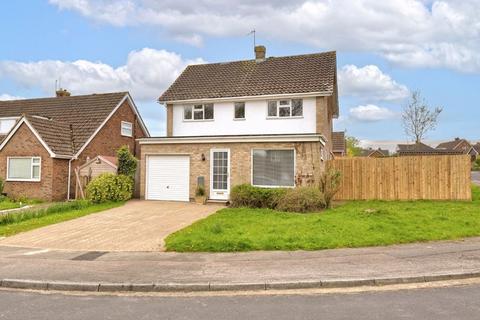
(62,93)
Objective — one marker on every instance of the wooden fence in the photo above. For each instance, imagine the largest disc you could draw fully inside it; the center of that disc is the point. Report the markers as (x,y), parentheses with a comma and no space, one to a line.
(404,178)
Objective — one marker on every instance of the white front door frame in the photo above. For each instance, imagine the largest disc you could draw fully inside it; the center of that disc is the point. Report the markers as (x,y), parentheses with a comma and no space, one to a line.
(219,194)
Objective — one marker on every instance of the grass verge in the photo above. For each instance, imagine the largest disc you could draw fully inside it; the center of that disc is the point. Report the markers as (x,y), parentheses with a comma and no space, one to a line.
(14,223)
(354,224)
(8,204)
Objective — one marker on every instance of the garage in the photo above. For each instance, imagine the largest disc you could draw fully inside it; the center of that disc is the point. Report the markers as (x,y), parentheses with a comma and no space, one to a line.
(167,177)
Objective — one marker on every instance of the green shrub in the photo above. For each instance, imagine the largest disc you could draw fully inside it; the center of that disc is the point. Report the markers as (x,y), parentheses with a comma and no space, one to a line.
(200,191)
(110,187)
(302,199)
(245,195)
(127,163)
(476,165)
(329,184)
(2,184)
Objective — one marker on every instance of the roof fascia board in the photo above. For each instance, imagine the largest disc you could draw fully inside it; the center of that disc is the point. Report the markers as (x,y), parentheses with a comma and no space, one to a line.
(249,98)
(12,132)
(213,139)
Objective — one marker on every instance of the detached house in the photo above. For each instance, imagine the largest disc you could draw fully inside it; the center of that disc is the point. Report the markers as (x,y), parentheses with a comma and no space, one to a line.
(265,121)
(44,140)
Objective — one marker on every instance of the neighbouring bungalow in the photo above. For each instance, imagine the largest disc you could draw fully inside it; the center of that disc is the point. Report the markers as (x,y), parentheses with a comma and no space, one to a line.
(374,153)
(339,144)
(43,141)
(421,149)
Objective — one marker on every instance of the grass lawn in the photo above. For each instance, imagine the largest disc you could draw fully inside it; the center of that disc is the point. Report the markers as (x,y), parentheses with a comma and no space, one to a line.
(354,224)
(8,204)
(21,222)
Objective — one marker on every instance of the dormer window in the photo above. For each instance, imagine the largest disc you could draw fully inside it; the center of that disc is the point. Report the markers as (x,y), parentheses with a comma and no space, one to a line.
(198,112)
(285,108)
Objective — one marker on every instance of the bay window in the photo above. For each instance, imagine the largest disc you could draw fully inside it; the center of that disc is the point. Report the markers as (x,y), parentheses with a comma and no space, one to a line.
(273,168)
(23,168)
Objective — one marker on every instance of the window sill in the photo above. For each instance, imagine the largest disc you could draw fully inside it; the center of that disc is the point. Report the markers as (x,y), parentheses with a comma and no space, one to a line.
(239,119)
(204,120)
(284,118)
(126,135)
(274,187)
(23,180)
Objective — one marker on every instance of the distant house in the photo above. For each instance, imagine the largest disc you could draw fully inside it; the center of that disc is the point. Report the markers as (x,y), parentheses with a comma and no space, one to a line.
(461,145)
(374,153)
(339,144)
(475,151)
(421,149)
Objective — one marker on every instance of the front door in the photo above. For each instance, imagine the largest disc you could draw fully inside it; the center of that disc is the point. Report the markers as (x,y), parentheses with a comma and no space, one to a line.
(219,174)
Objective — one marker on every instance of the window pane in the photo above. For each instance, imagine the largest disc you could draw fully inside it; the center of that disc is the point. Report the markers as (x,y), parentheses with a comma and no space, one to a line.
(284,111)
(284,102)
(187,112)
(20,168)
(36,172)
(198,115)
(239,110)
(126,129)
(274,168)
(36,160)
(209,111)
(272,108)
(297,107)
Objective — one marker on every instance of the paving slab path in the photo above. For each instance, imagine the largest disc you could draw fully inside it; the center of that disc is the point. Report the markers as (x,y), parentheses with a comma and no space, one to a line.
(136,226)
(417,262)
(476,177)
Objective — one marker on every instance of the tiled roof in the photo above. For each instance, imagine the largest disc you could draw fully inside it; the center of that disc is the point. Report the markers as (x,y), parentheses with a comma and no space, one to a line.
(477,147)
(275,75)
(338,142)
(64,123)
(452,145)
(370,151)
(421,148)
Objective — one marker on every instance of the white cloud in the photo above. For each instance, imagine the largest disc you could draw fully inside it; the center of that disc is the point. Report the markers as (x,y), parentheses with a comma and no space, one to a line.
(146,74)
(6,96)
(370,113)
(416,33)
(369,83)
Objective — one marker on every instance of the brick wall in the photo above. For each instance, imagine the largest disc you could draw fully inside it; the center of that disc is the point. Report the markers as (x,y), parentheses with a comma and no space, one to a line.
(324,119)
(109,139)
(308,163)
(25,144)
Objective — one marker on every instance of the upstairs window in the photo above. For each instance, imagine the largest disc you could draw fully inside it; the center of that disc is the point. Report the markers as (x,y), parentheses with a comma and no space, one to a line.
(285,108)
(198,112)
(127,129)
(239,110)
(23,168)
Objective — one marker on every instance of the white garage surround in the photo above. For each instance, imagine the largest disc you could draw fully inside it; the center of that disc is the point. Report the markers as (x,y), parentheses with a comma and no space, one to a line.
(167,177)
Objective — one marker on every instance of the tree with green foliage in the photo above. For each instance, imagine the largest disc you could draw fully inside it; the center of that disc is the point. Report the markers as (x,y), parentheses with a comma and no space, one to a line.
(353,146)
(127,163)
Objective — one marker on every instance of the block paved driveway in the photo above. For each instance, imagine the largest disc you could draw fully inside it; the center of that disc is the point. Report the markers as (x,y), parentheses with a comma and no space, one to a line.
(136,226)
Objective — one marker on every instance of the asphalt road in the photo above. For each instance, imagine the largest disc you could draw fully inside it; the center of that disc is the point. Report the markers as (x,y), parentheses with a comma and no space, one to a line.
(476,177)
(433,303)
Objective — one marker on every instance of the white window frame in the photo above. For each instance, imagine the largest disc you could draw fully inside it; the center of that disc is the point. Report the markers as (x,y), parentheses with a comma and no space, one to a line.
(122,132)
(192,109)
(289,105)
(294,167)
(244,111)
(39,165)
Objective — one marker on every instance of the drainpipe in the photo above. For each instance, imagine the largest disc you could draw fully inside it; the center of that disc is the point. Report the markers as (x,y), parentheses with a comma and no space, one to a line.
(69,177)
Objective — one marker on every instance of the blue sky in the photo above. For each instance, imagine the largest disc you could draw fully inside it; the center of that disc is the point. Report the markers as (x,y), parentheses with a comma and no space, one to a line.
(385,51)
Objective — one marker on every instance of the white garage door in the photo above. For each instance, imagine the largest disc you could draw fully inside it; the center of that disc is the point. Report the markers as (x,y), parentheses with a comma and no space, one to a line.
(168,178)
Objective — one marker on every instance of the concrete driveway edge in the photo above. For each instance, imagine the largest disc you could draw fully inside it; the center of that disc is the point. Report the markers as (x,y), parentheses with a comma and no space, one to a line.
(26,284)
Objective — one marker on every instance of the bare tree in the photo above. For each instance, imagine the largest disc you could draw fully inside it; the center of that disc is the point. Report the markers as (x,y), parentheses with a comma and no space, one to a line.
(418,118)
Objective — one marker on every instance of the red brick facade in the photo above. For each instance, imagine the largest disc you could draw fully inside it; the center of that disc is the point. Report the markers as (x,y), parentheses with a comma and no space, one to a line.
(54,172)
